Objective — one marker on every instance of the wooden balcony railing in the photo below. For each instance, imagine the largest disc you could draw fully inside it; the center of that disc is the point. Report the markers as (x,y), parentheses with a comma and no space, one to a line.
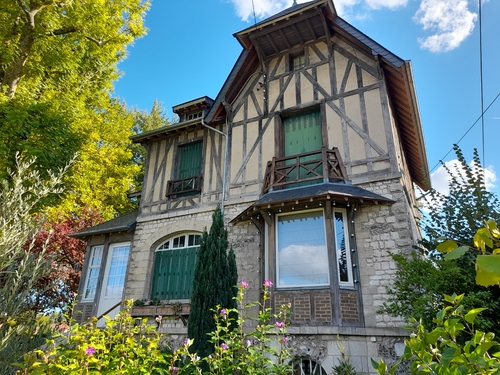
(323,165)
(184,186)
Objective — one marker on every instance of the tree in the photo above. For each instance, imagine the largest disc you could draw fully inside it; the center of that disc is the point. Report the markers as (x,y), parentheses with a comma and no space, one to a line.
(214,285)
(59,47)
(143,122)
(422,280)
(65,254)
(22,268)
(104,170)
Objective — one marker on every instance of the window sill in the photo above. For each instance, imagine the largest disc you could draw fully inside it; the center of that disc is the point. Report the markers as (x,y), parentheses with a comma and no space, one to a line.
(169,310)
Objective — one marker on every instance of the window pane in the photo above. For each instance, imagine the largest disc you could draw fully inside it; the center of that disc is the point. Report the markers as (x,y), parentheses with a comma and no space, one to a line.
(93,272)
(117,269)
(302,252)
(343,255)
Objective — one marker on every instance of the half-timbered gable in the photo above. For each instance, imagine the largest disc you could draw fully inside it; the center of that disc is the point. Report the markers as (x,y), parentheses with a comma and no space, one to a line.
(313,147)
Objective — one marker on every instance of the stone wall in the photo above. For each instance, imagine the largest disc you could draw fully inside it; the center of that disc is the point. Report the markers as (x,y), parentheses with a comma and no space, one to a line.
(381,230)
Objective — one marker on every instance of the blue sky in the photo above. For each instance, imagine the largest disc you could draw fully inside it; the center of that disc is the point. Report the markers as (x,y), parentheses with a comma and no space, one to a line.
(190,50)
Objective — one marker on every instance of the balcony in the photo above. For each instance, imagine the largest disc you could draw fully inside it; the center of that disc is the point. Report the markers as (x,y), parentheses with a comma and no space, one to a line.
(308,168)
(185,186)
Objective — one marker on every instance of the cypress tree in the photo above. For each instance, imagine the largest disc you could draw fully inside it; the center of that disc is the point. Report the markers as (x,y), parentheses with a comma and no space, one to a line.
(215,278)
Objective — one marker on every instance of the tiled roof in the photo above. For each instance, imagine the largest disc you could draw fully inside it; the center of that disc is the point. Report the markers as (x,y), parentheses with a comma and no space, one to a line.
(123,223)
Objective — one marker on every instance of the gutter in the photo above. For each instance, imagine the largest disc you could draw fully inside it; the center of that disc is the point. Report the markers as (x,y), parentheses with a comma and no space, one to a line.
(223,198)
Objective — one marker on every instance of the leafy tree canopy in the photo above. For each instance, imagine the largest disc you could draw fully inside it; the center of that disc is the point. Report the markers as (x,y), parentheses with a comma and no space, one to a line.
(422,280)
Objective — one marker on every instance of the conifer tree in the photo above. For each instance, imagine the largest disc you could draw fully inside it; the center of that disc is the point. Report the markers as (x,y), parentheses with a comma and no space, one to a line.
(214,284)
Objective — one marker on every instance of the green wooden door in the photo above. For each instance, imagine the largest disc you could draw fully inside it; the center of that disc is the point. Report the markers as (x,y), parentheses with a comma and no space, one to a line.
(303,134)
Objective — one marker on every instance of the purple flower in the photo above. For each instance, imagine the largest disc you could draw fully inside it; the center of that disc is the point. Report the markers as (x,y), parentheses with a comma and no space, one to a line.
(159,318)
(244,284)
(280,324)
(90,350)
(174,371)
(223,312)
(248,343)
(224,346)
(268,283)
(285,339)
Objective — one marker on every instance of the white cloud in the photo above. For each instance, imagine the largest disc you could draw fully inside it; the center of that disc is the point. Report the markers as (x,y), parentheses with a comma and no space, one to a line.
(263,8)
(450,21)
(391,4)
(440,178)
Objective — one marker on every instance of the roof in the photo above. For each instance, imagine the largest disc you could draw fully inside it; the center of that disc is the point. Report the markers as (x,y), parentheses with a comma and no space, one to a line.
(294,25)
(342,192)
(123,223)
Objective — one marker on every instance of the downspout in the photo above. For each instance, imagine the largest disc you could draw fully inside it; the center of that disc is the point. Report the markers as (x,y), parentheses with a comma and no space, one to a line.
(225,161)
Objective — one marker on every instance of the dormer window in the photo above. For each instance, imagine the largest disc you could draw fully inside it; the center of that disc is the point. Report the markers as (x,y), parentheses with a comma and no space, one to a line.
(193,116)
(189,167)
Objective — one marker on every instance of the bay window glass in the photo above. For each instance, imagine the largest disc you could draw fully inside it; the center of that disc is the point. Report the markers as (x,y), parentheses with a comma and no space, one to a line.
(173,273)
(117,270)
(342,250)
(302,256)
(93,272)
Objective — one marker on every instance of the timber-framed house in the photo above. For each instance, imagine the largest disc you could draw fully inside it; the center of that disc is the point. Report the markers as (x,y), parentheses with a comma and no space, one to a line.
(313,146)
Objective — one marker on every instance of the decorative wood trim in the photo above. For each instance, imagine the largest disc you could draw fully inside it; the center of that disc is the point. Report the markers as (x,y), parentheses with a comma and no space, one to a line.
(356,60)
(332,261)
(364,118)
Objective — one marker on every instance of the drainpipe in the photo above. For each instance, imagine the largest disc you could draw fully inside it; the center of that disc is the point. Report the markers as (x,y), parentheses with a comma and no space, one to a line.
(225,161)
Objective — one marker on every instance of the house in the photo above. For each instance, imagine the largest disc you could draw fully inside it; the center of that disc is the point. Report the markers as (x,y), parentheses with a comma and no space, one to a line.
(313,146)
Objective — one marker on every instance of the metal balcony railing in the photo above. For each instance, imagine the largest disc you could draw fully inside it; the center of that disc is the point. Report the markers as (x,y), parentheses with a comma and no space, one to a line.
(184,186)
(323,165)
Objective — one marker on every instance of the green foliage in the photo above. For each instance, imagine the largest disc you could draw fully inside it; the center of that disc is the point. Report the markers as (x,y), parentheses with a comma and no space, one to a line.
(446,263)
(454,346)
(22,268)
(261,352)
(130,345)
(144,122)
(459,214)
(344,366)
(125,346)
(214,284)
(32,129)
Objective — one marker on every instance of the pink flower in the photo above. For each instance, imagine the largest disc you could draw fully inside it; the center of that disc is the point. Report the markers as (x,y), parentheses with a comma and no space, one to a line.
(244,284)
(174,371)
(248,343)
(268,283)
(224,346)
(280,324)
(223,312)
(285,339)
(159,318)
(90,350)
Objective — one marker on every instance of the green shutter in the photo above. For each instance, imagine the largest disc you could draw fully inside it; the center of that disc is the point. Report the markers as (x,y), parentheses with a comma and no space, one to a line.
(190,160)
(174,273)
(303,134)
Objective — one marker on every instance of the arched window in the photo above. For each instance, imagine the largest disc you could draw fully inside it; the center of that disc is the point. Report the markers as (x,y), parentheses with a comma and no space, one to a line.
(173,273)
(306,366)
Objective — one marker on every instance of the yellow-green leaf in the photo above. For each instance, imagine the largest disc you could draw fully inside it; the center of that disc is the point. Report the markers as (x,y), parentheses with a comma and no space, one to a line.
(488,270)
(482,238)
(446,246)
(471,315)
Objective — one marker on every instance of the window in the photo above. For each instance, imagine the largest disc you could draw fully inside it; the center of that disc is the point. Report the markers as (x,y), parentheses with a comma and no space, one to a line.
(189,165)
(93,272)
(117,270)
(343,253)
(302,256)
(302,249)
(175,261)
(297,60)
(306,366)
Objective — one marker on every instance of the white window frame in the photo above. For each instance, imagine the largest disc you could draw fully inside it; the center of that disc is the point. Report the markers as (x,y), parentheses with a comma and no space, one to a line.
(350,282)
(277,251)
(91,267)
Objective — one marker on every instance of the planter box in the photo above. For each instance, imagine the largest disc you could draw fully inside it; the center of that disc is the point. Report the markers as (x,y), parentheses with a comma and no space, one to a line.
(167,310)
